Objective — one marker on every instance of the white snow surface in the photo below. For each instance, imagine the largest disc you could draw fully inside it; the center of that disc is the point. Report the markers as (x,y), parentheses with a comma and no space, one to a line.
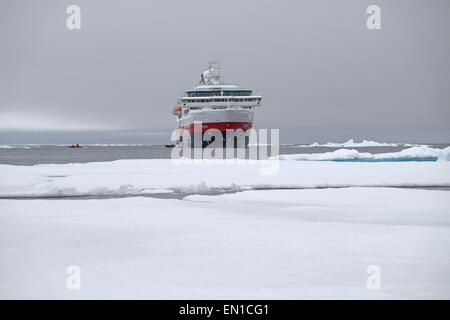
(265,244)
(134,177)
(421,152)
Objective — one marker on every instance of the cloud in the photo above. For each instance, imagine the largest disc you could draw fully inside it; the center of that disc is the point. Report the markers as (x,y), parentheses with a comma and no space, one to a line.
(26,121)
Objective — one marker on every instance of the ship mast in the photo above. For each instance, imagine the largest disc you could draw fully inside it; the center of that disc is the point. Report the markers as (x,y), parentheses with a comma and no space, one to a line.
(211,76)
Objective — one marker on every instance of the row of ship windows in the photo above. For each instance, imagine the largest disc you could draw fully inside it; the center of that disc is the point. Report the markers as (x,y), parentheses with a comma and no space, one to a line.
(219,93)
(186,111)
(222,100)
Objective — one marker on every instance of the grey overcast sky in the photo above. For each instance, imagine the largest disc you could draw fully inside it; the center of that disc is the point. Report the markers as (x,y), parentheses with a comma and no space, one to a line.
(323,75)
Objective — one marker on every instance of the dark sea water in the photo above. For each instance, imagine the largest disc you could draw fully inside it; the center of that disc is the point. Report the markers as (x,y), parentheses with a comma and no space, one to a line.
(41,154)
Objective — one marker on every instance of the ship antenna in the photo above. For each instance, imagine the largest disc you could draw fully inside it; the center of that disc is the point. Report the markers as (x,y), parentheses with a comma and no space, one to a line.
(215,72)
(212,74)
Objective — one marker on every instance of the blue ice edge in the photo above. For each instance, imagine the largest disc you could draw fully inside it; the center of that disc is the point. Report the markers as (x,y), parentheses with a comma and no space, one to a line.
(414,154)
(382,160)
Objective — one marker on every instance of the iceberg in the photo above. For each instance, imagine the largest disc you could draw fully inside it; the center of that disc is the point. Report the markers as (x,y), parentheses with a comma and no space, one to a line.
(351,143)
(422,153)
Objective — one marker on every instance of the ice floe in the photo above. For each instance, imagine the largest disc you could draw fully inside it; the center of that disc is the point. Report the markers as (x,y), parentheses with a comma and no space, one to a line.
(352,143)
(113,145)
(289,244)
(10,146)
(134,177)
(421,153)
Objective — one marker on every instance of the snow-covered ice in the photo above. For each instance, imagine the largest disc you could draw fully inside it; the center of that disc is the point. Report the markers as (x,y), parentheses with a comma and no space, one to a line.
(252,244)
(351,143)
(270,244)
(420,153)
(132,177)
(8,146)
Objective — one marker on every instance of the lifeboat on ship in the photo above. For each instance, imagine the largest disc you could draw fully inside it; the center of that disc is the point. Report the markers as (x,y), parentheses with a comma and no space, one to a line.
(177,111)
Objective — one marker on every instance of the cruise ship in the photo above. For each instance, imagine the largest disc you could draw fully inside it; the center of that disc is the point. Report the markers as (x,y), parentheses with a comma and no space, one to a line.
(216,105)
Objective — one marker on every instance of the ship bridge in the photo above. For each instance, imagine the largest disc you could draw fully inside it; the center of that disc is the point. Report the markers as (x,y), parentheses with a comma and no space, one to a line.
(212,93)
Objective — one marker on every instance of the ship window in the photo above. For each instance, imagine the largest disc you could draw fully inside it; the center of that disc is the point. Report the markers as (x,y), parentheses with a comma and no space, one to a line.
(203,93)
(237,93)
(219,93)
